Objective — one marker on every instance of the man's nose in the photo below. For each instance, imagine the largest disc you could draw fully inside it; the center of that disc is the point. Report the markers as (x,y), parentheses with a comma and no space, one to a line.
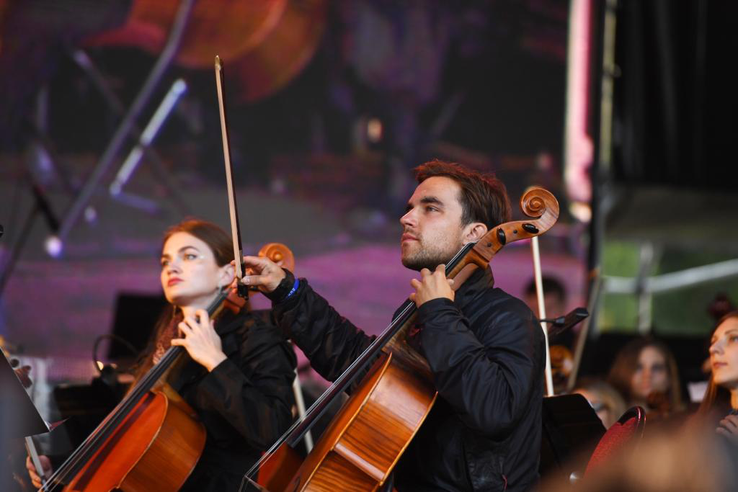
(408,219)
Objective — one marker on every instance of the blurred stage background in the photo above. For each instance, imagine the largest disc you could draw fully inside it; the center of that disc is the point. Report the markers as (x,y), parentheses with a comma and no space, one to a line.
(623,109)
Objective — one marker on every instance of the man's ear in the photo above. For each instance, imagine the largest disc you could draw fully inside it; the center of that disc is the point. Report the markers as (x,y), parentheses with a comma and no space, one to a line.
(474,232)
(227,272)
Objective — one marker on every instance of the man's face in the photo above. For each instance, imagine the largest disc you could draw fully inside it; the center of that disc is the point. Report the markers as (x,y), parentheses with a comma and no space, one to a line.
(432,230)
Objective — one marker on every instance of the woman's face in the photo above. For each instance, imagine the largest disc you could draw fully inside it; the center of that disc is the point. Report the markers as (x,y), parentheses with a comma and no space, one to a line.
(651,374)
(724,354)
(190,275)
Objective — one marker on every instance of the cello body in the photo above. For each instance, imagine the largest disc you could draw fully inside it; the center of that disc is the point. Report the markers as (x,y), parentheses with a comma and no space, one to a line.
(362,445)
(160,433)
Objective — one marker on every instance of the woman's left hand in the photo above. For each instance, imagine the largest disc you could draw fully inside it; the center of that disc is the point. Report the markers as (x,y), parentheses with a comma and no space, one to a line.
(200,340)
(729,426)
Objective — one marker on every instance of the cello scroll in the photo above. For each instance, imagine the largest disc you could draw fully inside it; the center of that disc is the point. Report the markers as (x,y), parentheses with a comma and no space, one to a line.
(279,254)
(538,204)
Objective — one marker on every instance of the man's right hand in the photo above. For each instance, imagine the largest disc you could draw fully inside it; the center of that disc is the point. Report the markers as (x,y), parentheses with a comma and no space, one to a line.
(45,464)
(262,273)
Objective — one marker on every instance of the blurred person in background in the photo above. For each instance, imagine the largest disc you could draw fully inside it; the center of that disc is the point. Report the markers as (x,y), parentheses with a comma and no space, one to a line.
(689,460)
(554,296)
(645,373)
(605,400)
(720,403)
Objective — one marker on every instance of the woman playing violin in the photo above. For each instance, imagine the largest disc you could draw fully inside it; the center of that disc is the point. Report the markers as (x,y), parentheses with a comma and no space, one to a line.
(240,380)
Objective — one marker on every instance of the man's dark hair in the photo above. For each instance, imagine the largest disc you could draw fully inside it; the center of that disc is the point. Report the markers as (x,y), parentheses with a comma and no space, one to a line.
(550,285)
(483,196)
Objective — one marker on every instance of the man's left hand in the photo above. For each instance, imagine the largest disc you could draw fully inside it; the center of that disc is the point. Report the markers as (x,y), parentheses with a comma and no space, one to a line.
(431,286)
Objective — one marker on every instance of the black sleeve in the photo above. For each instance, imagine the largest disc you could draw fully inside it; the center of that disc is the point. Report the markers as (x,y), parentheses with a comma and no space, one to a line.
(252,390)
(330,341)
(488,384)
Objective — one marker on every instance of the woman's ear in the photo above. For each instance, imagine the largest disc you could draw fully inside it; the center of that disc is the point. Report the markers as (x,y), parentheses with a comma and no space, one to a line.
(474,232)
(227,272)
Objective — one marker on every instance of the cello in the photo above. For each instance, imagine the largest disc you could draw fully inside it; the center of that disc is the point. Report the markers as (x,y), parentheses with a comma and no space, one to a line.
(366,439)
(151,429)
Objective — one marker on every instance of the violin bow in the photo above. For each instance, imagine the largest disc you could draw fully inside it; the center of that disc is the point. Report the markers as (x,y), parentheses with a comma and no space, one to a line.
(232,207)
(542,310)
(236,229)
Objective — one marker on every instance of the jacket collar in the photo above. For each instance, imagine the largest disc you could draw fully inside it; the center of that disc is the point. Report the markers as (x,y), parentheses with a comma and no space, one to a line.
(479,282)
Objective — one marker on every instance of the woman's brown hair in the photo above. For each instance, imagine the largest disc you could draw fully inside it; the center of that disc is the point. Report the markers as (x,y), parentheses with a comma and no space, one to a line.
(626,363)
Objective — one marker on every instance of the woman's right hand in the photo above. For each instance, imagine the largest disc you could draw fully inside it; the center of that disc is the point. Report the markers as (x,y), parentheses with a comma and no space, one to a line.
(263,273)
(45,464)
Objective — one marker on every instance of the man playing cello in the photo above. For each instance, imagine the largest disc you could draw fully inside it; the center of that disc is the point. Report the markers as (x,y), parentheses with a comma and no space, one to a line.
(484,347)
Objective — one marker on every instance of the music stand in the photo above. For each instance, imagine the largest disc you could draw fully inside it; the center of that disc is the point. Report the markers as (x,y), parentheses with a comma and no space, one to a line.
(18,415)
(571,430)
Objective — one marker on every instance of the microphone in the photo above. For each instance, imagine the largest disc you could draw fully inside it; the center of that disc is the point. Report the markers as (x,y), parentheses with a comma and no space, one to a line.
(563,323)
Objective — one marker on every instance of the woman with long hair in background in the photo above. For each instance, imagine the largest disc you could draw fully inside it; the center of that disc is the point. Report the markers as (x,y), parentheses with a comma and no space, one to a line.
(645,372)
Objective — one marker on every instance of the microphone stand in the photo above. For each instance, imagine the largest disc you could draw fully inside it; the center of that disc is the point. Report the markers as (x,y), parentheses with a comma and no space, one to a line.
(563,323)
(40,205)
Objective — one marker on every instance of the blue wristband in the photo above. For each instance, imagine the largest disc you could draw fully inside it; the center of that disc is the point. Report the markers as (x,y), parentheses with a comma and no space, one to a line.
(294,288)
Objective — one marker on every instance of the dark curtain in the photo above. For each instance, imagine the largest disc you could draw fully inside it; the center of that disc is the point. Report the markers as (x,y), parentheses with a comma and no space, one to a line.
(675,96)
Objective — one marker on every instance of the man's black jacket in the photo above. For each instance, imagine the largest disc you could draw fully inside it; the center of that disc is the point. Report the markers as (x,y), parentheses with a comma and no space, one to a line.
(486,351)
